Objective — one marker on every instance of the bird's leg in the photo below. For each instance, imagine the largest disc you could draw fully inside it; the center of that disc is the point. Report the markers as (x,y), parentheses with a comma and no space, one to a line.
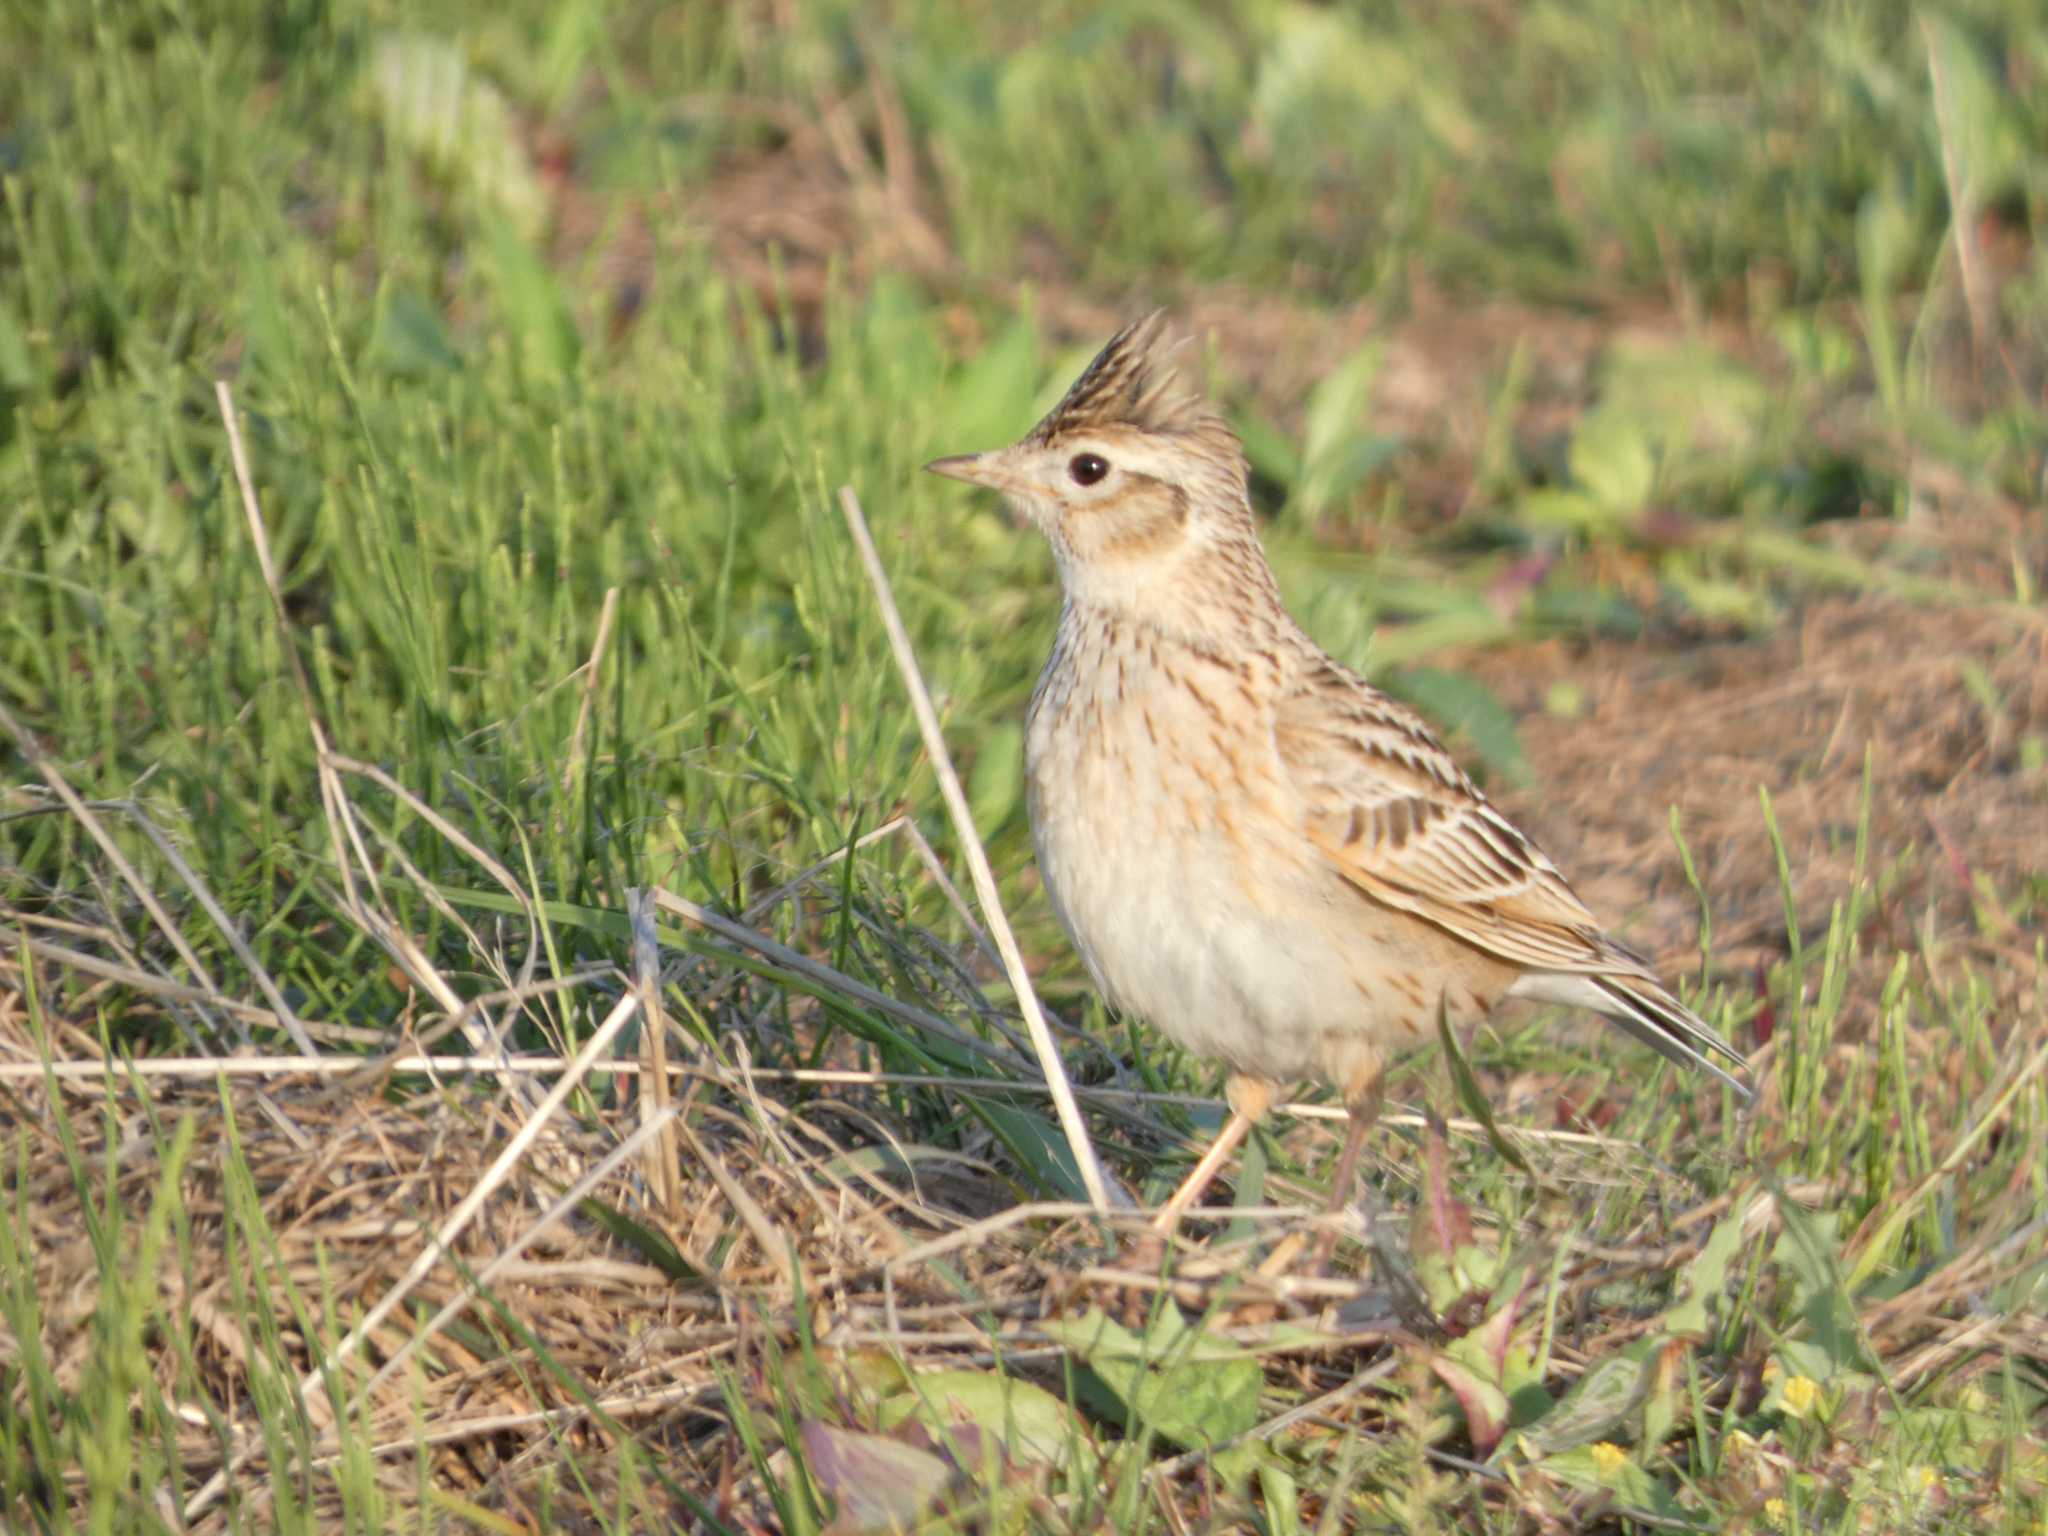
(1362,1096)
(1359,1071)
(1249,1099)
(1363,1099)
(1384,1245)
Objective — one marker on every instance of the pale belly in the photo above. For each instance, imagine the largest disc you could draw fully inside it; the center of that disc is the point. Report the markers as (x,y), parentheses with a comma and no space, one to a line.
(1199,905)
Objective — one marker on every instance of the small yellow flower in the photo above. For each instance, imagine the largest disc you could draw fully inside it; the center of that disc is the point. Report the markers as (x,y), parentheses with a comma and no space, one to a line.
(1608,1458)
(1927,1478)
(1776,1511)
(1802,1396)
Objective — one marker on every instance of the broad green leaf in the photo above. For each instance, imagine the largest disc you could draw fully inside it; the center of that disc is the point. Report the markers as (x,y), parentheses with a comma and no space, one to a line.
(1324,64)
(1707,1276)
(1335,420)
(1336,478)
(1661,1392)
(1599,1469)
(1025,1420)
(1449,1261)
(1612,461)
(1810,1250)
(1980,134)
(987,402)
(1281,1496)
(875,1372)
(1572,510)
(1189,1388)
(1095,1335)
(1168,1333)
(1472,621)
(1713,598)
(576,34)
(900,340)
(1558,606)
(1485,1404)
(1268,449)
(1815,345)
(1682,398)
(1199,1403)
(1887,245)
(461,123)
(1601,1403)
(1488,1345)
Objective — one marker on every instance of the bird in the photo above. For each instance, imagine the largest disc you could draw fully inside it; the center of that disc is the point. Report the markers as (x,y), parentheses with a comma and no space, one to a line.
(1253,849)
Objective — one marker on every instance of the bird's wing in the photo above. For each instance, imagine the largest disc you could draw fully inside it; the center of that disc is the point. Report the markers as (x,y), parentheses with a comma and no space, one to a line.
(1396,817)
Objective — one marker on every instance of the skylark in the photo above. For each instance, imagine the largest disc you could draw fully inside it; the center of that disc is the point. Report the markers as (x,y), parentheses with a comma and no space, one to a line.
(1253,848)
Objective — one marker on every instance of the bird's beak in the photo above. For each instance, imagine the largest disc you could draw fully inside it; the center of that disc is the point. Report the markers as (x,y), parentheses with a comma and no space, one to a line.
(998,470)
(974,468)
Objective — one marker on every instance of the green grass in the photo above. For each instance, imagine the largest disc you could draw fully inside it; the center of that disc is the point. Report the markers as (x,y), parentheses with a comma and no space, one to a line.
(466,427)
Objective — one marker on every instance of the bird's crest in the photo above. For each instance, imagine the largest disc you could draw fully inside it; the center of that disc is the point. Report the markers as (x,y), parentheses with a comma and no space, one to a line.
(1131,383)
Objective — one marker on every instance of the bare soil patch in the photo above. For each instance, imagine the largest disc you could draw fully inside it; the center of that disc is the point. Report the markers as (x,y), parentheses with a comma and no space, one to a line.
(1958,819)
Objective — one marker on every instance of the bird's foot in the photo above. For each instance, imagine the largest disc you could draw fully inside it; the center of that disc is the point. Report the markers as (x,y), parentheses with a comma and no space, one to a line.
(1389,1290)
(1398,1288)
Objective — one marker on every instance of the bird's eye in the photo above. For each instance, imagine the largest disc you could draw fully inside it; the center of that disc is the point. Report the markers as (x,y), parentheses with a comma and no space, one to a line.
(1087,468)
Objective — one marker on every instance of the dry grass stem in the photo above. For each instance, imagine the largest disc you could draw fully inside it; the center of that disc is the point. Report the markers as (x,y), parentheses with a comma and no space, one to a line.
(663,1176)
(589,671)
(1069,1111)
(370,1171)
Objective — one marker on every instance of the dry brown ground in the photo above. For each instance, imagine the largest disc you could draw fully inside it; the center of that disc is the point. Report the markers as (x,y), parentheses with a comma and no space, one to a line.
(1794,713)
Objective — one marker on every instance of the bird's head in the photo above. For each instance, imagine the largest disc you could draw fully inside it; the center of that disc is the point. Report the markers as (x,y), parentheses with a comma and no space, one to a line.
(1132,479)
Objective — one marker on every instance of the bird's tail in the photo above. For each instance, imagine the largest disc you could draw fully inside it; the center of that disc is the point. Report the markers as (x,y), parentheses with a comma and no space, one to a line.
(1640,1007)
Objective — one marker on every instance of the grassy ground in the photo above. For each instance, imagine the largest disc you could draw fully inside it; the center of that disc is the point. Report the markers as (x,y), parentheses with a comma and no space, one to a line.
(1654,395)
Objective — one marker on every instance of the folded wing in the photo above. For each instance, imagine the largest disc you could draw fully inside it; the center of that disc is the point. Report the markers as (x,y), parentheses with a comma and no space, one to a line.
(1402,823)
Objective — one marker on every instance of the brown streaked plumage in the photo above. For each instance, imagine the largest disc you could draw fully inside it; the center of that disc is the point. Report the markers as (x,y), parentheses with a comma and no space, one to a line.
(1251,847)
